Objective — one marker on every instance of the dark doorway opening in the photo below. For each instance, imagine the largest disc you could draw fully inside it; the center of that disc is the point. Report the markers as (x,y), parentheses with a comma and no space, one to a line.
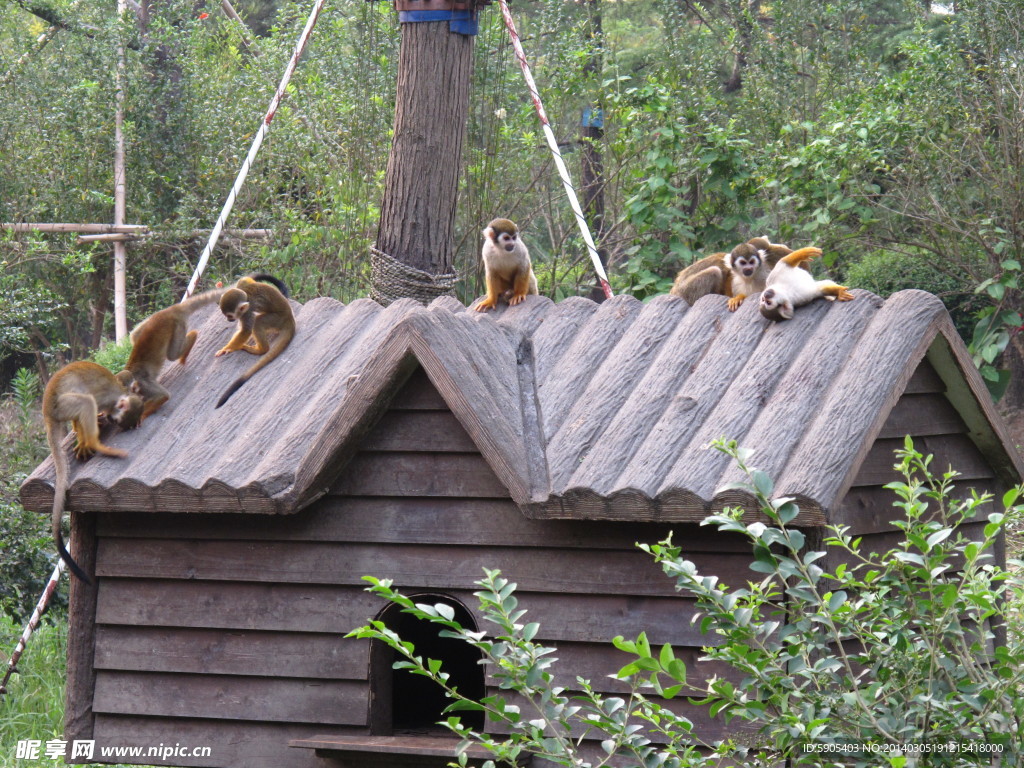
(401,702)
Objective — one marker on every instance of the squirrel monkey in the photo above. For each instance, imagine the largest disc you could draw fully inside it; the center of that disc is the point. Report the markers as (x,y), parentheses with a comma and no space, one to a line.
(260,308)
(507,268)
(80,392)
(161,336)
(737,274)
(790,287)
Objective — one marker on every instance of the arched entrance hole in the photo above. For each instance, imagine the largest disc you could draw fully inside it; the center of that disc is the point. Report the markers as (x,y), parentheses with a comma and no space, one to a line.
(401,702)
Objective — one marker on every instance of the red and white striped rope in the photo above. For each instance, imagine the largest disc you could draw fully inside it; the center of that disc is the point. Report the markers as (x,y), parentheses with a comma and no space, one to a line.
(275,102)
(556,153)
(33,623)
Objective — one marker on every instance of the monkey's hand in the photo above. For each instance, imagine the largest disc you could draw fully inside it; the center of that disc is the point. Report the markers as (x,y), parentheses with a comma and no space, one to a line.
(736,301)
(845,295)
(83,452)
(516,299)
(486,304)
(102,419)
(223,351)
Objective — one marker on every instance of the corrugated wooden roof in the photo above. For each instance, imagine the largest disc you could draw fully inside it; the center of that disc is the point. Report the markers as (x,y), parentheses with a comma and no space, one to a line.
(582,410)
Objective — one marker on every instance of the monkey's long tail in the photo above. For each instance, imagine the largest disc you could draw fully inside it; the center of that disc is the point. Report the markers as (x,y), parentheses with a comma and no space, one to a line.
(263,277)
(283,340)
(60,489)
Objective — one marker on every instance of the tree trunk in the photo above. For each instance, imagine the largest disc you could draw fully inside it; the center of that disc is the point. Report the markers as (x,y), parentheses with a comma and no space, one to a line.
(418,209)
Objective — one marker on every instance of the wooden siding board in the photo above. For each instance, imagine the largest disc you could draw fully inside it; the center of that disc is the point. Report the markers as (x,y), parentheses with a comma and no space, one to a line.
(871,509)
(921,415)
(543,570)
(244,606)
(925,380)
(597,663)
(874,376)
(477,522)
(229,652)
(603,397)
(418,394)
(222,697)
(956,451)
(420,474)
(81,677)
(233,744)
(580,358)
(426,431)
(709,729)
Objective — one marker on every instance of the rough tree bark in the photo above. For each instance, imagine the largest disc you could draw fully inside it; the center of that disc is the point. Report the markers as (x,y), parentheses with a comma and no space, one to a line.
(418,209)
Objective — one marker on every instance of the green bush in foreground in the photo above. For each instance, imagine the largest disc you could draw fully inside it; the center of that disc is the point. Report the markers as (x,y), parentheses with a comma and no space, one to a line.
(861,666)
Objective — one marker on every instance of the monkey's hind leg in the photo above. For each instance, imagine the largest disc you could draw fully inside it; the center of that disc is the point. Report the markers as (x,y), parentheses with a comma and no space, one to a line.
(835,292)
(796,258)
(495,287)
(520,287)
(181,350)
(84,419)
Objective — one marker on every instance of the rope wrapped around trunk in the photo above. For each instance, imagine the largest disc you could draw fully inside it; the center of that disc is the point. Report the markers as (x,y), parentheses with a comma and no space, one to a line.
(391,280)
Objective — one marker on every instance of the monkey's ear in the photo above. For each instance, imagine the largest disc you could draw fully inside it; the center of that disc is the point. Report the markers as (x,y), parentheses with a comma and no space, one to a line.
(488,233)
(135,387)
(242,308)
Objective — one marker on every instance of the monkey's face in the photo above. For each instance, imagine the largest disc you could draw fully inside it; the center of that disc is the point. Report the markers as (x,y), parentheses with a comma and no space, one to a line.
(234,314)
(747,265)
(745,260)
(775,307)
(506,240)
(127,412)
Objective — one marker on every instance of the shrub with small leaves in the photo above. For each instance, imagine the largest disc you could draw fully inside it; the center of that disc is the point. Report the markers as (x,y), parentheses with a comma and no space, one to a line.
(874,660)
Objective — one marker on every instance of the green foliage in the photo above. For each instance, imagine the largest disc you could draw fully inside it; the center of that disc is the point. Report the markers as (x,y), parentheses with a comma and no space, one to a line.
(114,355)
(553,723)
(838,656)
(33,707)
(26,558)
(875,650)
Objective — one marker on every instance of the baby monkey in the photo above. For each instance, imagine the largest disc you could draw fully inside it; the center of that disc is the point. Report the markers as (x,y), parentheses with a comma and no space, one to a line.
(507,268)
(789,287)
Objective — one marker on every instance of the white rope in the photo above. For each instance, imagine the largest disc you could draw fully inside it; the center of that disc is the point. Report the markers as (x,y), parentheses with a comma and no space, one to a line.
(563,172)
(256,143)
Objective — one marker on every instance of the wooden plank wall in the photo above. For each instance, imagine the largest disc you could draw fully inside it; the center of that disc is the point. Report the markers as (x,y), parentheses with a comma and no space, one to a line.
(228,630)
(924,412)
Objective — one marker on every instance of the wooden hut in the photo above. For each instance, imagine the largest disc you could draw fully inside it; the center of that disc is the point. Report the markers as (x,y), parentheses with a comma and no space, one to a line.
(424,444)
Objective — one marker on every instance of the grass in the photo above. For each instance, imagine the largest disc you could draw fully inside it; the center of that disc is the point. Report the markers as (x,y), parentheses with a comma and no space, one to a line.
(33,707)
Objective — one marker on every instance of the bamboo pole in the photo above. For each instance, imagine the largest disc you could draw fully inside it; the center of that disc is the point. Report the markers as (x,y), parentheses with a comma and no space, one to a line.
(131,229)
(112,237)
(120,250)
